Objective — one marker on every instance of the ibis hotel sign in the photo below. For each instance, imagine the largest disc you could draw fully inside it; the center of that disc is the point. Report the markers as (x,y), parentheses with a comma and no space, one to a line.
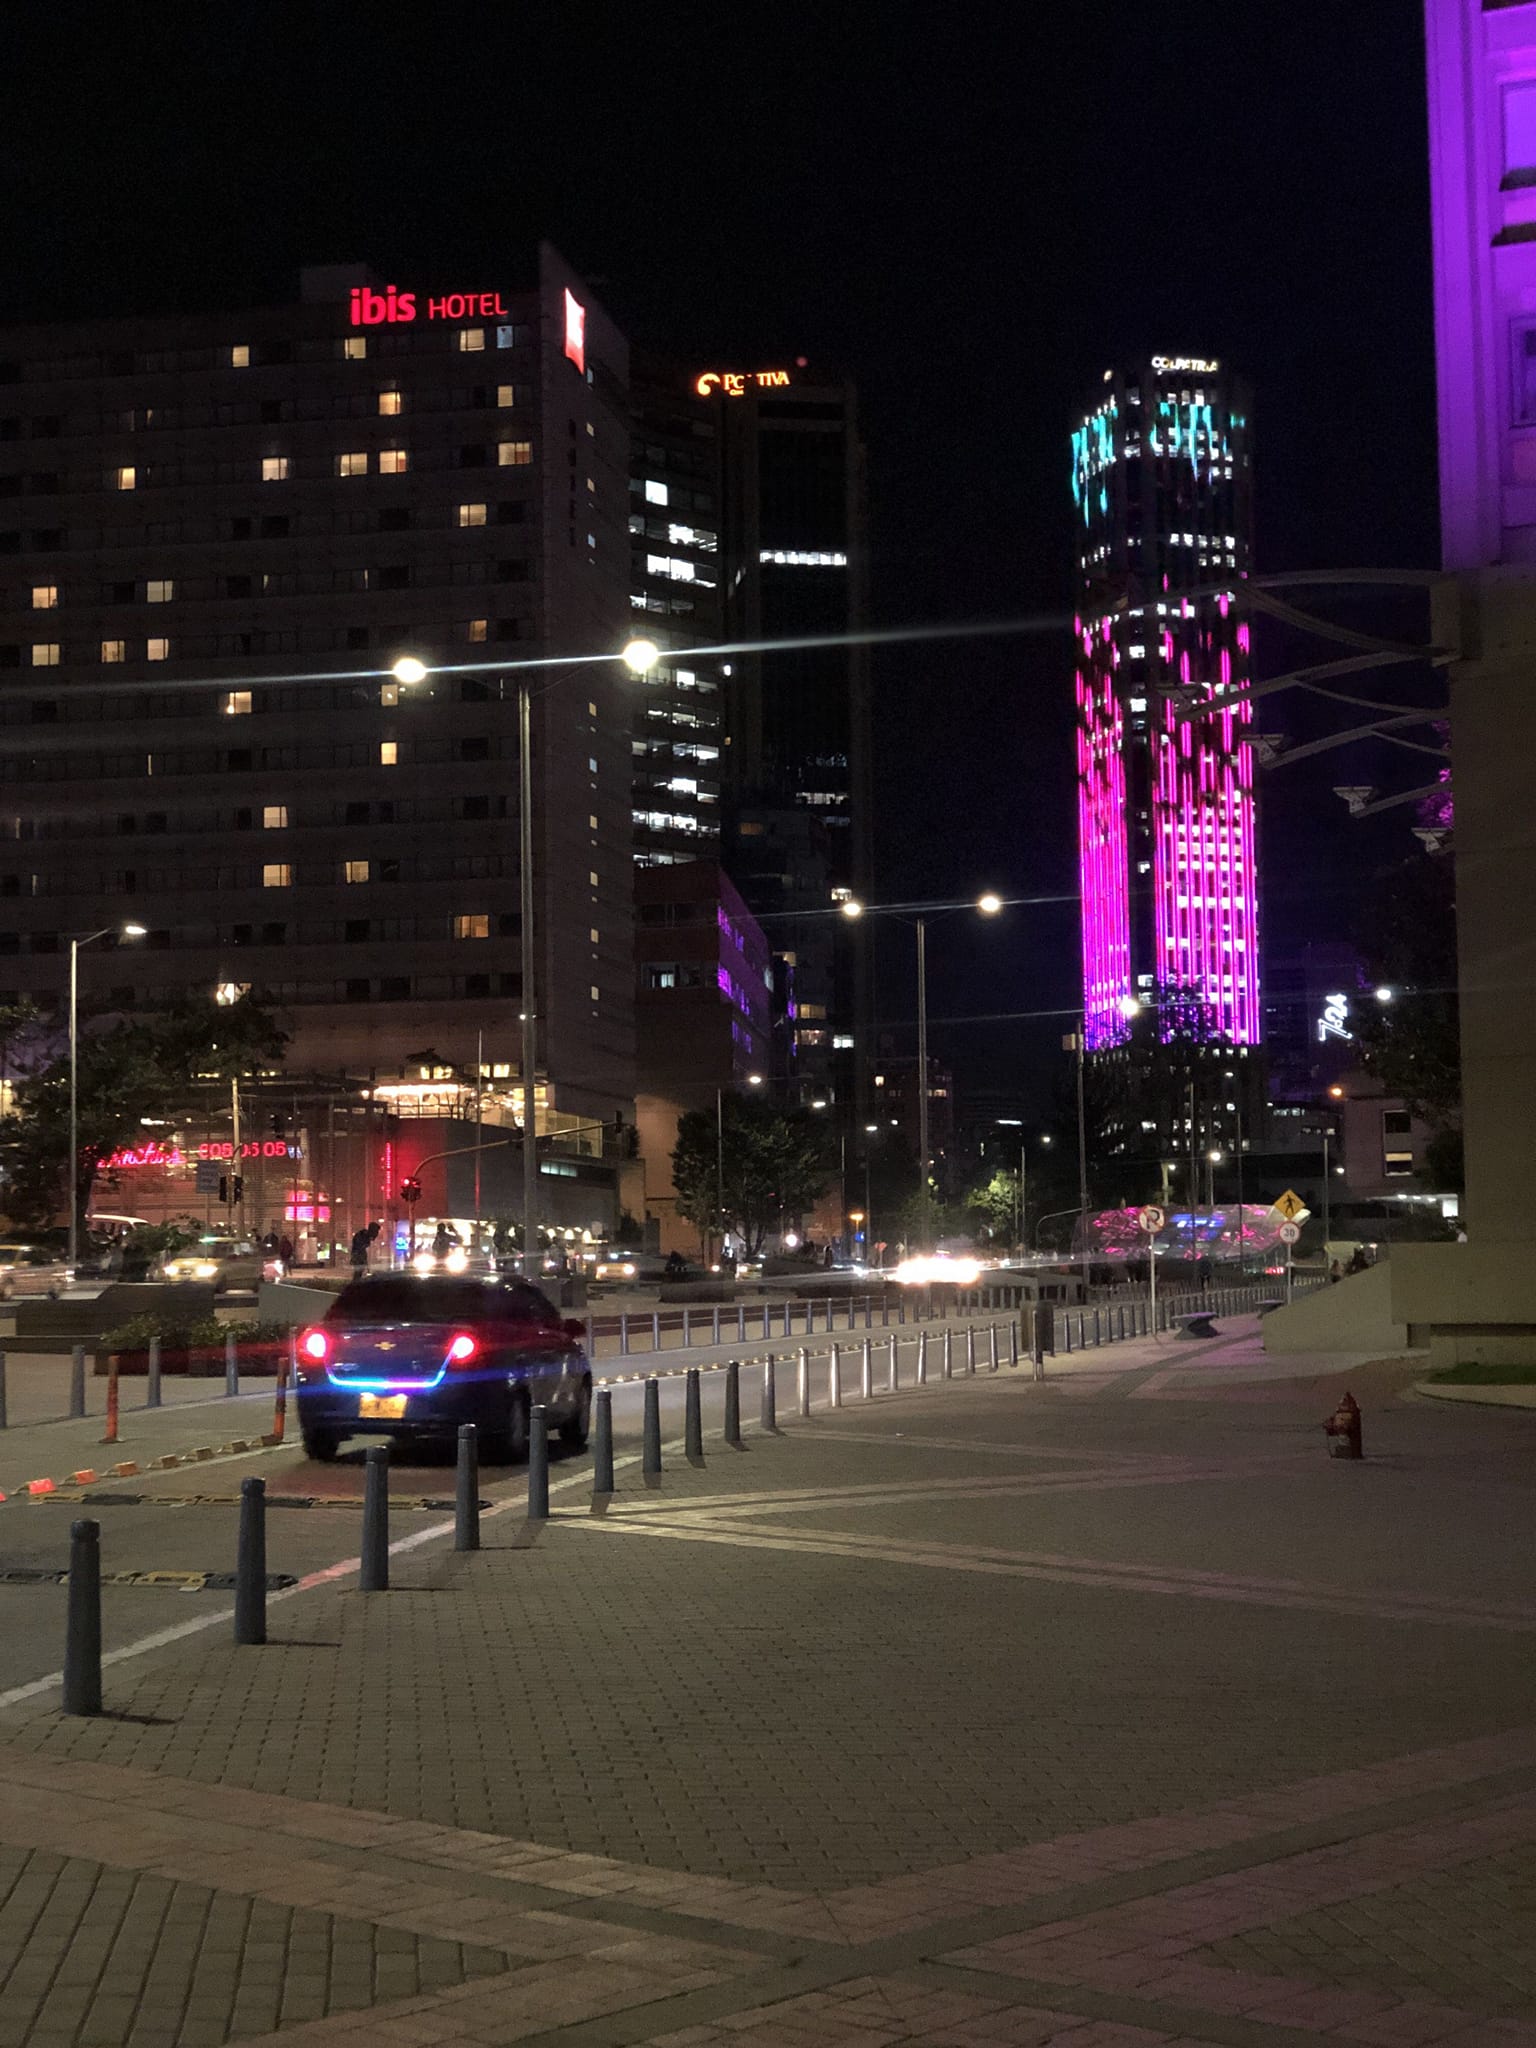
(374,309)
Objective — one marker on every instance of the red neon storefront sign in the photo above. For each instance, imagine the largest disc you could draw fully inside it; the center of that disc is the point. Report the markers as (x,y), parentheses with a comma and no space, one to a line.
(369,308)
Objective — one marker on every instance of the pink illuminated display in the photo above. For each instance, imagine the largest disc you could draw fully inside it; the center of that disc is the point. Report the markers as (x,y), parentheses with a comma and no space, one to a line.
(1166,827)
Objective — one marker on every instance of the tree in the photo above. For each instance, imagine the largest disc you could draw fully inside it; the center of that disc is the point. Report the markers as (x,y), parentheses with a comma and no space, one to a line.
(764,1162)
(128,1069)
(993,1206)
(1412,1045)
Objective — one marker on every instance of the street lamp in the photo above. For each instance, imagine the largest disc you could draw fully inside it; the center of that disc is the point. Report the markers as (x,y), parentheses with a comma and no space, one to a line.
(639,657)
(126,931)
(1129,1006)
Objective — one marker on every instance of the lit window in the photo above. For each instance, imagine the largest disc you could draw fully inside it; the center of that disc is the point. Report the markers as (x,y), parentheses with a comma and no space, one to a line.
(477,925)
(126,478)
(237,703)
(592,877)
(475,631)
(240,356)
(276,875)
(593,986)
(114,650)
(274,817)
(355,870)
(394,461)
(472,515)
(45,597)
(159,591)
(45,654)
(353,464)
(389,753)
(471,340)
(514,454)
(274,469)
(592,935)
(391,403)
(506,394)
(157,650)
(389,693)
(354,347)
(655,493)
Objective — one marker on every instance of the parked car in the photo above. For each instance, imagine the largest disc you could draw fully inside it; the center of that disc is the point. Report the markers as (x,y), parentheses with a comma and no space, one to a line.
(31,1269)
(415,1354)
(229,1262)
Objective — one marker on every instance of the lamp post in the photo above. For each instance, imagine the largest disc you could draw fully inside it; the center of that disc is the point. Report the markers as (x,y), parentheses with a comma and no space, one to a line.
(127,931)
(1129,1007)
(639,657)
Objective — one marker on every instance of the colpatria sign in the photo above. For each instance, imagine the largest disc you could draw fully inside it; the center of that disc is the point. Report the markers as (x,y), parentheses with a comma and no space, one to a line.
(1203,366)
(734,383)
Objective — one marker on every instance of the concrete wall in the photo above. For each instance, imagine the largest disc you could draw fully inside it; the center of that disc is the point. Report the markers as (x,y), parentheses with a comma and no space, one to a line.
(1354,1315)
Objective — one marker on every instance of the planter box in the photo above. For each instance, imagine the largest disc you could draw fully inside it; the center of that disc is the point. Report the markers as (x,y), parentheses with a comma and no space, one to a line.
(196,1361)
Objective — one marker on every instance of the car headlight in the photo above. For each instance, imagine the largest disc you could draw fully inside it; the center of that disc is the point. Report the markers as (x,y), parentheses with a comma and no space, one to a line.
(173,1269)
(205,1269)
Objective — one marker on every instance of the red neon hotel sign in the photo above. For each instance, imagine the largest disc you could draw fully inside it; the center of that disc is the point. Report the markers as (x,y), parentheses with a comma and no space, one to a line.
(373,309)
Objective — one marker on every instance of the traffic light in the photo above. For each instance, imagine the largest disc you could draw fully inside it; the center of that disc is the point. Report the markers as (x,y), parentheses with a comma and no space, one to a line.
(226,1193)
(239,1187)
(410,1190)
(224,1187)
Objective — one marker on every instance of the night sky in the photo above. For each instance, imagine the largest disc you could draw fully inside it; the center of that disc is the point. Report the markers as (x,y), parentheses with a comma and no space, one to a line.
(969,218)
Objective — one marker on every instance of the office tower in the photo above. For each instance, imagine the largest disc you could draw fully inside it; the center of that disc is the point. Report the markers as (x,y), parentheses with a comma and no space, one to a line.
(1162,496)
(218,533)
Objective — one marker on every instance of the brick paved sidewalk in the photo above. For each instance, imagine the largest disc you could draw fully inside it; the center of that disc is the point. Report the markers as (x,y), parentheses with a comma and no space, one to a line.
(987,1714)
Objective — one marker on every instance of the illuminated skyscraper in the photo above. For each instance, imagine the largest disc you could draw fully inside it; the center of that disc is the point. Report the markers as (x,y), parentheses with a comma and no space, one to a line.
(1161,488)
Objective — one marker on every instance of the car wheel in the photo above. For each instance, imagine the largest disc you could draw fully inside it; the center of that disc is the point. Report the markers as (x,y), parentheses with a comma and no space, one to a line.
(576,1428)
(509,1445)
(321,1444)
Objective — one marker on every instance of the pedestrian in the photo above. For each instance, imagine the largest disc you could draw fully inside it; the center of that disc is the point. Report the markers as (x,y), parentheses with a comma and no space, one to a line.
(1335,1272)
(285,1252)
(442,1243)
(362,1244)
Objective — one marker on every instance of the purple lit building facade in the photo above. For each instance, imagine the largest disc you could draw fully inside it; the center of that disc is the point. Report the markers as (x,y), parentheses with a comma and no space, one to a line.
(1162,496)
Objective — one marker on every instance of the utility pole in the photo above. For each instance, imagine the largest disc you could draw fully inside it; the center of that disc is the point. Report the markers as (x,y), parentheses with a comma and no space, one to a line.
(1082,1148)
(922,1059)
(530,988)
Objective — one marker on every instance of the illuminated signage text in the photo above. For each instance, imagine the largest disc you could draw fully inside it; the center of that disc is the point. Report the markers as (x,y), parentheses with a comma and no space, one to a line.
(734,383)
(1206,366)
(576,331)
(1334,1022)
(376,309)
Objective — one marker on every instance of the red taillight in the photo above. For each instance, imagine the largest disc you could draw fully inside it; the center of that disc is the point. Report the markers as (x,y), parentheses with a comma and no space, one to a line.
(315,1345)
(462,1349)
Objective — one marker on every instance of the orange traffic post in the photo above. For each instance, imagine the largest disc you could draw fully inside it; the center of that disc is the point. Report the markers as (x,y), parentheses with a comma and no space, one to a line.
(280,1400)
(111,1435)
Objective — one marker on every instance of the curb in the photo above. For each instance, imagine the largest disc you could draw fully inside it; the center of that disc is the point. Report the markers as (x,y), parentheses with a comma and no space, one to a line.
(238,1447)
(1471,1396)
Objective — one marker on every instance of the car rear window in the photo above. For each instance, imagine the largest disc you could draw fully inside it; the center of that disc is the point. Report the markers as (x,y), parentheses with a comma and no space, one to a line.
(435,1298)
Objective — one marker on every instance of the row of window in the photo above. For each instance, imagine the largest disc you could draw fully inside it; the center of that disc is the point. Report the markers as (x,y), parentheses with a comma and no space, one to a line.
(82,705)
(469,924)
(306,525)
(391,869)
(408,340)
(387,403)
(217,646)
(255,817)
(267,469)
(83,767)
(50,597)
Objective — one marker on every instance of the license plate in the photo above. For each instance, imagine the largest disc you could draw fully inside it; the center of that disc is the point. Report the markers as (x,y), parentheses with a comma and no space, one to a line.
(380,1407)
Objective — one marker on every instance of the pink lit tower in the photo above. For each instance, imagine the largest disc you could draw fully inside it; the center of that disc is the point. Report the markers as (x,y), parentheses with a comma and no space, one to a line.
(1162,498)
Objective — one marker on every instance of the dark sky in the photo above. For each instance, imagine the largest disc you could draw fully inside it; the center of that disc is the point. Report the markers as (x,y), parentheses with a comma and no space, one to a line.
(972,210)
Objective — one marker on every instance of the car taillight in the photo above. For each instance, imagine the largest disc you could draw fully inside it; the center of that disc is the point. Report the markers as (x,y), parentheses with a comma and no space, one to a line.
(315,1345)
(462,1348)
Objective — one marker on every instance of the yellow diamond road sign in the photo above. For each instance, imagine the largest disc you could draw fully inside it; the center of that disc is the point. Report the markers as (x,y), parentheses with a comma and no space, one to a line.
(1290,1206)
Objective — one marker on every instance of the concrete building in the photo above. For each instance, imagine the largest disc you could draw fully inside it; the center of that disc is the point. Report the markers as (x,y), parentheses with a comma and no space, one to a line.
(217,533)
(703,1006)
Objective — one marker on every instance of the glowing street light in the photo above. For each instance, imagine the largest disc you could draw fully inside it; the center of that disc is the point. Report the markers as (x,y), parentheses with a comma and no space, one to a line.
(989,904)
(851,907)
(1386,995)
(641,656)
(409,669)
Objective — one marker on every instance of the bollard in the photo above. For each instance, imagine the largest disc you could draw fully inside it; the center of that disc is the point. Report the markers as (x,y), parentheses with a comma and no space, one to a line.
(251,1564)
(602,1447)
(1066,1328)
(280,1397)
(949,1354)
(869,1311)
(466,1491)
(922,1359)
(82,1624)
(803,1380)
(374,1576)
(1037,1342)
(538,1463)
(655,1329)
(892,1377)
(970,1352)
(992,1347)
(835,1377)
(693,1416)
(76,1382)
(650,1436)
(885,1311)
(2,1390)
(152,1380)
(867,1371)
(741,1322)
(112,1396)
(770,1408)
(1013,1343)
(687,1327)
(767,1321)
(733,1403)
(231,1367)
(714,1330)
(623,1333)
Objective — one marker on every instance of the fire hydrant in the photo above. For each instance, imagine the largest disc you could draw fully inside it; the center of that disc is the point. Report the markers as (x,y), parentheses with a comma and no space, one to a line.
(1342,1430)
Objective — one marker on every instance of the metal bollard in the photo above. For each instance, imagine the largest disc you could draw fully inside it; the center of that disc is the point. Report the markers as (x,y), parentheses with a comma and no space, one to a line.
(789,1321)
(1013,1343)
(714,1332)
(251,1564)
(803,1381)
(949,1354)
(992,1348)
(770,1408)
(1066,1327)
(687,1327)
(602,1447)
(152,1381)
(374,1577)
(693,1416)
(741,1322)
(82,1624)
(538,1462)
(970,1352)
(655,1329)
(767,1321)
(2,1390)
(466,1491)
(624,1333)
(650,1435)
(885,1311)
(76,1382)
(733,1403)
(893,1376)
(869,1311)
(231,1367)
(867,1371)
(922,1359)
(835,1377)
